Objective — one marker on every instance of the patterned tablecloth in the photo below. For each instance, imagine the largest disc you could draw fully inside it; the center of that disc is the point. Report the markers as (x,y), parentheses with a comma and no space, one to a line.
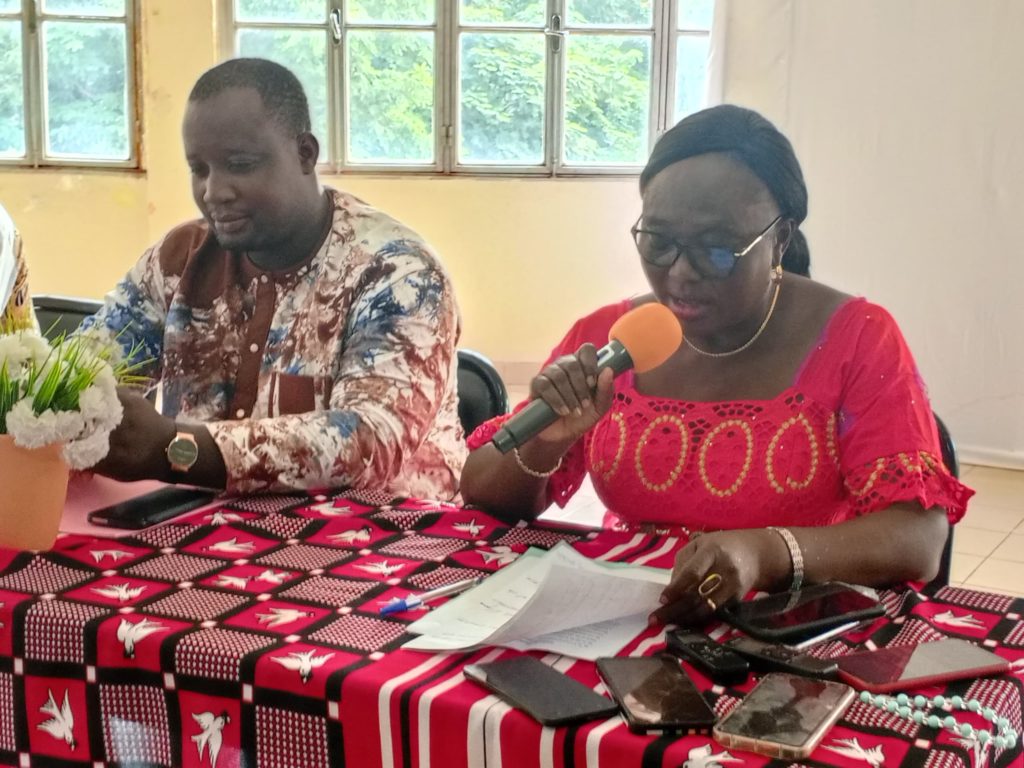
(250,635)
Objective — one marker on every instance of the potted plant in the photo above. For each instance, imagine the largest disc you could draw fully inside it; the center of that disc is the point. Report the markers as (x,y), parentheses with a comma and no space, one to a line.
(58,406)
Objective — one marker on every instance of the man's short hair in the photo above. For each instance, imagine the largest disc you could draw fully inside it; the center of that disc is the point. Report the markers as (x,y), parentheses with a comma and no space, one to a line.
(282,93)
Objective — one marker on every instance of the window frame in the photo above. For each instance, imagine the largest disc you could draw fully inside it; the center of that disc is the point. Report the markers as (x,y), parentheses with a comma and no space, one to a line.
(31,16)
(447,28)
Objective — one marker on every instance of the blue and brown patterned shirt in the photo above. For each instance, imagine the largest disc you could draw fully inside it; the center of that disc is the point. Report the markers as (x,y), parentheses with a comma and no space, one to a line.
(339,372)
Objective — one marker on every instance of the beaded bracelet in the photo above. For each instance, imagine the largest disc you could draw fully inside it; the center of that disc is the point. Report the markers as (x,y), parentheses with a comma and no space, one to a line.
(914,708)
(534,472)
(794,554)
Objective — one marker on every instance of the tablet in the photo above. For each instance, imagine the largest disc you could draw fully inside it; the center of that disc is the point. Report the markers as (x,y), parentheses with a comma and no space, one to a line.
(918,665)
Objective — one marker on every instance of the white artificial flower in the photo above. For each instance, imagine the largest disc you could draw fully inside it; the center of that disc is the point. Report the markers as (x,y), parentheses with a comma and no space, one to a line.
(87,452)
(15,353)
(39,348)
(28,429)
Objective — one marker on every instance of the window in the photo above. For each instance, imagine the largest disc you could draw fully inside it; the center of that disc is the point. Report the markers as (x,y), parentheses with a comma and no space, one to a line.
(547,87)
(67,91)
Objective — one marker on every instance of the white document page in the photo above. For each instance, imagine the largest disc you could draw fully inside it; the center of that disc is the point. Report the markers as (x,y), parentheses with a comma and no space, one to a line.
(7,263)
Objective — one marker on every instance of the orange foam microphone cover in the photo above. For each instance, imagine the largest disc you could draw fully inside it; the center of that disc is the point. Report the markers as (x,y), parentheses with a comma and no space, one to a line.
(650,333)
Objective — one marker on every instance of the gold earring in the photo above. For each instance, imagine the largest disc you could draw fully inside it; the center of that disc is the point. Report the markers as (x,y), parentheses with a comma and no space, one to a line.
(777,277)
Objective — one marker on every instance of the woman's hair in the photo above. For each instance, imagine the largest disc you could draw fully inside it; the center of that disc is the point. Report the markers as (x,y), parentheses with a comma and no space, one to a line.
(748,137)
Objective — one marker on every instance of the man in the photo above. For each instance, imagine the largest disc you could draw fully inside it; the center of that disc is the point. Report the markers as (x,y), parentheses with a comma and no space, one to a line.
(302,338)
(15,305)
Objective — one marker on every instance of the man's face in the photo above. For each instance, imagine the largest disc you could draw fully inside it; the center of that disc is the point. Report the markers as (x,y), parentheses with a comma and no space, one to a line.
(249,176)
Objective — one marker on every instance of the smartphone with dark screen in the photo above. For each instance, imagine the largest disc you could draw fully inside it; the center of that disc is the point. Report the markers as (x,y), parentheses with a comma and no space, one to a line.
(918,665)
(655,694)
(784,716)
(152,508)
(814,609)
(544,693)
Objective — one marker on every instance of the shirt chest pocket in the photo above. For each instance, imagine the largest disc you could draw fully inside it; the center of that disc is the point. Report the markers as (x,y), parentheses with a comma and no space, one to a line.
(292,394)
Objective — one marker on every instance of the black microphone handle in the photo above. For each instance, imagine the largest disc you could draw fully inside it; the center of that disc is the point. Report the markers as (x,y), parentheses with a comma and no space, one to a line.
(538,415)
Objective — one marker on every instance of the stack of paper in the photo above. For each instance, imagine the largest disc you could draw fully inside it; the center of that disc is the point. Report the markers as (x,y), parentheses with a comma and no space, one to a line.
(558,601)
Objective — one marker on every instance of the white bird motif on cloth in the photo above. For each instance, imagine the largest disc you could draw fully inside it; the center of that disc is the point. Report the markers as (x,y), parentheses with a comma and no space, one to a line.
(212,736)
(980,750)
(1016,666)
(61,722)
(220,517)
(120,592)
(353,536)
(950,619)
(328,509)
(279,616)
(129,634)
(472,528)
(502,555)
(232,546)
(113,554)
(272,576)
(384,567)
(873,756)
(304,663)
(238,582)
(701,757)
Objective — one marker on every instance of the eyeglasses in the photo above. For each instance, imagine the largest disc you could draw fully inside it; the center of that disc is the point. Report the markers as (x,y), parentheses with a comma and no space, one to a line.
(711,261)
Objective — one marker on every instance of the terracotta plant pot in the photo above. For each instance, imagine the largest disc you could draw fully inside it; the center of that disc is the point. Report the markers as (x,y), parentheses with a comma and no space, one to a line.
(33,486)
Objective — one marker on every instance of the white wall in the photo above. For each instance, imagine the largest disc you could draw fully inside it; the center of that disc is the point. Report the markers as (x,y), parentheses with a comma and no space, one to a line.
(908,118)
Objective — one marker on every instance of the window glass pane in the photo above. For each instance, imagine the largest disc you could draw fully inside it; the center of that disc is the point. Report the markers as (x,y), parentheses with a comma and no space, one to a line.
(12,105)
(304,52)
(617,13)
(691,74)
(86,90)
(607,99)
(696,14)
(530,12)
(10,6)
(85,7)
(309,11)
(390,11)
(501,101)
(390,97)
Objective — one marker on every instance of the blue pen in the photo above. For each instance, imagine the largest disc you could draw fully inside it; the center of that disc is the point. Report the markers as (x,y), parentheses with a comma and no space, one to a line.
(414,601)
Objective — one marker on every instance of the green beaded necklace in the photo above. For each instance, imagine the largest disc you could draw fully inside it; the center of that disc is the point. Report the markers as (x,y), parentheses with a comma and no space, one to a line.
(916,709)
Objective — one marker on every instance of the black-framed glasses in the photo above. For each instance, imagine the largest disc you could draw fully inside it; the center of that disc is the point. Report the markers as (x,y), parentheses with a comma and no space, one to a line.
(711,261)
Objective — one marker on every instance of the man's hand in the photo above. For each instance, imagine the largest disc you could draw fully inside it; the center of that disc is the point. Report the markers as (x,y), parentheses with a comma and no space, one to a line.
(138,444)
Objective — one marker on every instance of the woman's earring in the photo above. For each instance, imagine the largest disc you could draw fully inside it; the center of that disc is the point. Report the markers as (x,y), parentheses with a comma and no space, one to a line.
(777,277)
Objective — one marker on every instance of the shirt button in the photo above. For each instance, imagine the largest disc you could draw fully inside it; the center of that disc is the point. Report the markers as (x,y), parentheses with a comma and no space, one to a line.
(254,347)
(264,279)
(240,413)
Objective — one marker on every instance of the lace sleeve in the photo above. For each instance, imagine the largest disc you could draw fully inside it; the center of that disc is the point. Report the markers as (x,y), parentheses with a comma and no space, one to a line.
(905,477)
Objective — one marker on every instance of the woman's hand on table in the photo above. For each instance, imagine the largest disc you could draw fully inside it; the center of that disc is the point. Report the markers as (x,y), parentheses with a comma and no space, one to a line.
(716,568)
(576,391)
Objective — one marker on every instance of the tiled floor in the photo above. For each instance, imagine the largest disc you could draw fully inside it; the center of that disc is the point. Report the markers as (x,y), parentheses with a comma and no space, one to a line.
(988,544)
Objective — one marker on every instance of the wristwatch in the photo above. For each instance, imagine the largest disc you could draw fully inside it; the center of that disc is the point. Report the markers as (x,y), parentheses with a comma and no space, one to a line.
(182,451)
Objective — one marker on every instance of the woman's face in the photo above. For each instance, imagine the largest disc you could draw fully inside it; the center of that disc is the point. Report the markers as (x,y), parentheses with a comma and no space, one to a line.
(713,200)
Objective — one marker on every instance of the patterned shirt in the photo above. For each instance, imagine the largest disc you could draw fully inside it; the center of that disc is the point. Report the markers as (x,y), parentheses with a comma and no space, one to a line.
(339,372)
(15,307)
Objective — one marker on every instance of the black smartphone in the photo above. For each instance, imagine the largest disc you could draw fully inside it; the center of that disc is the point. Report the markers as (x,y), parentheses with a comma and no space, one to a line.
(655,694)
(152,508)
(780,617)
(545,694)
(918,665)
(784,716)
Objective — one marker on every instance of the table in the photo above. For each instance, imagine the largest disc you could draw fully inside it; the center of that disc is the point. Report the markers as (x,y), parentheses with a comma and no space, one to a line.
(249,634)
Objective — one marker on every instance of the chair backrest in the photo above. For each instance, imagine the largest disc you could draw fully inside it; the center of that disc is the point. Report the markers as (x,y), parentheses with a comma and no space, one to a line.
(62,314)
(949,458)
(482,393)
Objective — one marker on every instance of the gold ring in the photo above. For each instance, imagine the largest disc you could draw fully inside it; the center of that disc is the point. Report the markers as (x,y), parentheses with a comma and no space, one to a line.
(711,604)
(711,582)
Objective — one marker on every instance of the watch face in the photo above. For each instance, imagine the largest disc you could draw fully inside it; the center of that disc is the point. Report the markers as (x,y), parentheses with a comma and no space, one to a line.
(182,452)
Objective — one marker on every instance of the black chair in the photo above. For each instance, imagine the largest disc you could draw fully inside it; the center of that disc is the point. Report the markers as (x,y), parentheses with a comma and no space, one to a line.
(482,393)
(949,458)
(62,314)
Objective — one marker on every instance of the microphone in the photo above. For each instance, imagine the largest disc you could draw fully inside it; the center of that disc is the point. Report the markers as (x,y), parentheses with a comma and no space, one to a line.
(643,339)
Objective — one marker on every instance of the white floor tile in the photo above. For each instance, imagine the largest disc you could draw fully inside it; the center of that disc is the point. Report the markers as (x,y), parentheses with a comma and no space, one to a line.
(963,566)
(992,518)
(976,541)
(999,575)
(997,488)
(1012,548)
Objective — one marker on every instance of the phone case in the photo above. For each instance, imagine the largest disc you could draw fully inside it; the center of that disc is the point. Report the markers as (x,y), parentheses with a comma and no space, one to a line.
(941,661)
(743,615)
(786,727)
(151,508)
(655,694)
(544,693)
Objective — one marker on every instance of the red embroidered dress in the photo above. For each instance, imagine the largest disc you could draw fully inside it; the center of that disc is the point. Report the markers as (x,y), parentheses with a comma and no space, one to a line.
(854,433)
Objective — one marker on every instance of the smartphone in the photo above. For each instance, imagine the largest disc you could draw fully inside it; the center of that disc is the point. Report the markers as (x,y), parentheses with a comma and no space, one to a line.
(780,617)
(545,694)
(918,665)
(784,716)
(152,508)
(655,694)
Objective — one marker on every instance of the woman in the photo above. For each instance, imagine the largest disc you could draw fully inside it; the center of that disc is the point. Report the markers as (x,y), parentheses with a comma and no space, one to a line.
(15,303)
(791,429)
